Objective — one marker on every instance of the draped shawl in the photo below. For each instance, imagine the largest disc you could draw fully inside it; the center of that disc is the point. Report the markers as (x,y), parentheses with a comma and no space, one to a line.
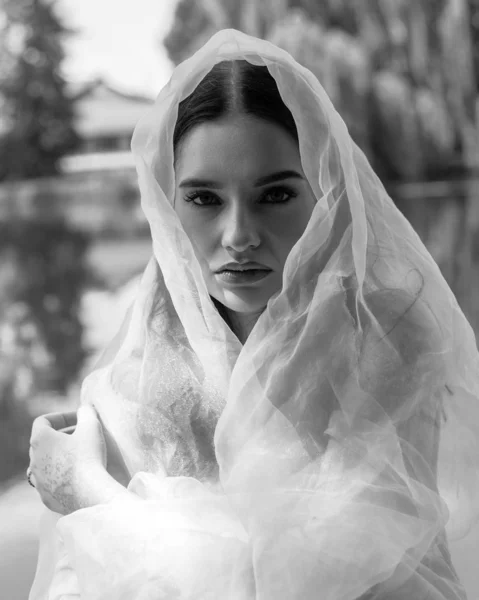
(335,452)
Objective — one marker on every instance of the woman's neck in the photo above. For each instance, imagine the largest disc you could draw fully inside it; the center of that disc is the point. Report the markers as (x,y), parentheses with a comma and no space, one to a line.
(243,323)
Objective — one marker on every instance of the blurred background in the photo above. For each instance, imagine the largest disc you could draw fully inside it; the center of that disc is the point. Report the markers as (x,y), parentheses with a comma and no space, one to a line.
(75,76)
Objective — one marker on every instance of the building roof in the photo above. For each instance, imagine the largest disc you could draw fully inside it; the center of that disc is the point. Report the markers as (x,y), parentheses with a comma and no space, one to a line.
(104,111)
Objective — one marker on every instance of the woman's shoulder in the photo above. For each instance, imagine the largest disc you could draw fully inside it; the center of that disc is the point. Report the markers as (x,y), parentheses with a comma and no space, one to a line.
(396,316)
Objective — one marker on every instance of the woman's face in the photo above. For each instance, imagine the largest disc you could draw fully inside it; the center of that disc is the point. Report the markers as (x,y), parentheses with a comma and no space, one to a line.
(242,197)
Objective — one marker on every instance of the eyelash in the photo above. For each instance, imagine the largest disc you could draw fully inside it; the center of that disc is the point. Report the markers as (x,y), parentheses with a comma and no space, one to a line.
(192,196)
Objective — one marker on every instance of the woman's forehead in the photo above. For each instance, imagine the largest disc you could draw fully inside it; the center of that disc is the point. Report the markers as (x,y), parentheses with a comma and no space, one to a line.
(240,146)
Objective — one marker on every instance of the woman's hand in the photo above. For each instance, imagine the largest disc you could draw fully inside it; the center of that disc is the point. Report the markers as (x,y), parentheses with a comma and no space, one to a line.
(62,465)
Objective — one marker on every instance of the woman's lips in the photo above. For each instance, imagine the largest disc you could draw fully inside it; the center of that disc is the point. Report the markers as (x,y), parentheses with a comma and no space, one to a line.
(243,277)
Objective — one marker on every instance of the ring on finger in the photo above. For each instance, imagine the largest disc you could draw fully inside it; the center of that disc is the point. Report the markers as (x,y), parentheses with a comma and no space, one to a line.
(29,477)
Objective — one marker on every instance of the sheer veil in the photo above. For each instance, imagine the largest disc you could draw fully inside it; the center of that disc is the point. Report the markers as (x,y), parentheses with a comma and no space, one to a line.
(338,449)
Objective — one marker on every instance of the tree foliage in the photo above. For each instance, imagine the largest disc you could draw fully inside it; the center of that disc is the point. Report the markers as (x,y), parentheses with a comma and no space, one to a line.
(190,24)
(42,279)
(36,124)
(195,21)
(474,21)
(43,266)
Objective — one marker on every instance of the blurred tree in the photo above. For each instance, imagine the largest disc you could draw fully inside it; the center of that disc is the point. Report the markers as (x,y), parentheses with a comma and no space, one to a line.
(191,27)
(40,308)
(423,92)
(339,61)
(474,21)
(36,123)
(197,20)
(43,266)
(460,86)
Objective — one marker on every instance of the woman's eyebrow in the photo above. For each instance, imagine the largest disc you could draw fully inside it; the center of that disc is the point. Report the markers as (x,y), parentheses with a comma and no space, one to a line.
(279,176)
(201,183)
(272,178)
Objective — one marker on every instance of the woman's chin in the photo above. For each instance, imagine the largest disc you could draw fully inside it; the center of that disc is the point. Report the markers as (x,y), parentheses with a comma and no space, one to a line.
(245,302)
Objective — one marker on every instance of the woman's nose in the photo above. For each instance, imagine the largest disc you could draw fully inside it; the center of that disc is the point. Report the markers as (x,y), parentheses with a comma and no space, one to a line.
(240,231)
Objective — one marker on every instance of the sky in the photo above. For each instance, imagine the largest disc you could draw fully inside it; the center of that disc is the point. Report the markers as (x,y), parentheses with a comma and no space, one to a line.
(118,40)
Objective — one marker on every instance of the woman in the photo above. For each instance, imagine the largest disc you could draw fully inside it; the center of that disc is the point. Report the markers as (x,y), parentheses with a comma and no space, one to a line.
(293,393)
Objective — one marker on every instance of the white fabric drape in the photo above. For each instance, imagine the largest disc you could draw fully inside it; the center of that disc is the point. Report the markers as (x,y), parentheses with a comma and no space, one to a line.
(329,457)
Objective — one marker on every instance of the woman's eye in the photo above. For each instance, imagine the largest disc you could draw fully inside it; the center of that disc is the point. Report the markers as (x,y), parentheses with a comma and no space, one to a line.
(201,198)
(278,195)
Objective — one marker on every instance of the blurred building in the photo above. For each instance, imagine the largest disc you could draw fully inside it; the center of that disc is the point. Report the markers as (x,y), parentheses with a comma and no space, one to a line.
(97,190)
(105,120)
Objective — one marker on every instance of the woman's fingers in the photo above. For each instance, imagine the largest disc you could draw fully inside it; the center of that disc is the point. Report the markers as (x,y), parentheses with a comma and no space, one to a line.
(68,430)
(40,426)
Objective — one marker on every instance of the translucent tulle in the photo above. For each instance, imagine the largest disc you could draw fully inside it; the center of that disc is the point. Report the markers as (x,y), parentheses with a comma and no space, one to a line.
(334,454)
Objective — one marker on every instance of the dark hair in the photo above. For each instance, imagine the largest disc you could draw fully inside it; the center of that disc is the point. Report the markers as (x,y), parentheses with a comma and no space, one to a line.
(234,87)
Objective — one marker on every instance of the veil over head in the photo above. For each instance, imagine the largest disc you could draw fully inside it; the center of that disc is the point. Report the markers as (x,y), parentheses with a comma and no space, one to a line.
(337,449)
